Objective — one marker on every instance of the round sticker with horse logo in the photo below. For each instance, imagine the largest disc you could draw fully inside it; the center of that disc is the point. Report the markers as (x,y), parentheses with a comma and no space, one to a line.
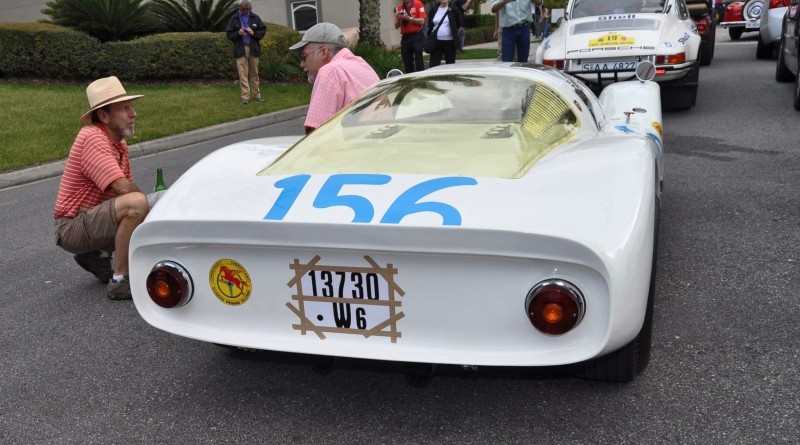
(230,282)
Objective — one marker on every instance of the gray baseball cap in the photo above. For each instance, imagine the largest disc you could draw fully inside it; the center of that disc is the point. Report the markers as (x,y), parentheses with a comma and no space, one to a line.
(321,33)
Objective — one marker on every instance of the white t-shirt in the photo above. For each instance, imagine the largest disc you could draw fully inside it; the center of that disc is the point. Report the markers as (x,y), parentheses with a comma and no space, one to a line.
(445,32)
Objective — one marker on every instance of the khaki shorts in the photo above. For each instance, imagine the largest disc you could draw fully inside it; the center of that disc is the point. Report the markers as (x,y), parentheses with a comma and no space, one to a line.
(89,230)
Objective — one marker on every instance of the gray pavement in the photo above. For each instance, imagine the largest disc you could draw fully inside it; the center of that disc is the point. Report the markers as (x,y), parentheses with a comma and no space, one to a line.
(44,171)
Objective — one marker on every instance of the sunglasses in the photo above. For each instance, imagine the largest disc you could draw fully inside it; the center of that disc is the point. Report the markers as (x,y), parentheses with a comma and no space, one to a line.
(303,56)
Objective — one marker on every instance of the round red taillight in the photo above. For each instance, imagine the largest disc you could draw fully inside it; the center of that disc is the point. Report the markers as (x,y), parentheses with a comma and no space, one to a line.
(169,285)
(555,306)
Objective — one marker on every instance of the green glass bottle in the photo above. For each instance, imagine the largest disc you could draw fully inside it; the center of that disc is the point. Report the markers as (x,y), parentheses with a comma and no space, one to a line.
(160,181)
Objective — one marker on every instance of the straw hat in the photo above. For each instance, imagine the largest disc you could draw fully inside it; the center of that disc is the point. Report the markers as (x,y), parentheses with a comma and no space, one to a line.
(102,92)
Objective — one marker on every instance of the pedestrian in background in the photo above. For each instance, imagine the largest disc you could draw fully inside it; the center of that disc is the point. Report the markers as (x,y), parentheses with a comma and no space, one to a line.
(545,23)
(515,20)
(98,204)
(338,75)
(245,29)
(462,6)
(446,22)
(410,18)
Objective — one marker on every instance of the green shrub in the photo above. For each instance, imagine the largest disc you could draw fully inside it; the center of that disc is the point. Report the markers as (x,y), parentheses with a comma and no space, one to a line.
(482,34)
(107,20)
(49,51)
(477,20)
(381,59)
(191,16)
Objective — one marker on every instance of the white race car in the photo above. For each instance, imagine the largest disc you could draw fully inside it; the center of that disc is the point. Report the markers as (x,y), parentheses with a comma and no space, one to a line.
(601,41)
(481,215)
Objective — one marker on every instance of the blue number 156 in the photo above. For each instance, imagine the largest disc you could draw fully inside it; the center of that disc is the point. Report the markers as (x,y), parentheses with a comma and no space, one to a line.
(407,203)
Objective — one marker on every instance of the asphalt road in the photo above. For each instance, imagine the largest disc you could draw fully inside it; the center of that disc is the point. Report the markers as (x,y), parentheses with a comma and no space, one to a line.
(77,368)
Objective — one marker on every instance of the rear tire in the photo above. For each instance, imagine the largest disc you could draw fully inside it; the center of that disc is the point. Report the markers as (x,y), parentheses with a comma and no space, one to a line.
(624,364)
(735,33)
(707,50)
(681,94)
(763,50)
(782,74)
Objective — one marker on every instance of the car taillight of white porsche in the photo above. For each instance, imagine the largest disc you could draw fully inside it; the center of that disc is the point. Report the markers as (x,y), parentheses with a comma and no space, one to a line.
(169,285)
(555,306)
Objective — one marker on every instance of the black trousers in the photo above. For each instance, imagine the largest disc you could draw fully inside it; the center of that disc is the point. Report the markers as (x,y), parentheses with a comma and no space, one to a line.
(411,51)
(446,48)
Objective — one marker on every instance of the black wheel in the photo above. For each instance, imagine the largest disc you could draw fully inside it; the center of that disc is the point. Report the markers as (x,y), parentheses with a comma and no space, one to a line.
(797,90)
(631,360)
(707,50)
(735,33)
(782,74)
(763,50)
(681,94)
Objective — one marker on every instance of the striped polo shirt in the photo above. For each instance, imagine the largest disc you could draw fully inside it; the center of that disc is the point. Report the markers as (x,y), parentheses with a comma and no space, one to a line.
(94,162)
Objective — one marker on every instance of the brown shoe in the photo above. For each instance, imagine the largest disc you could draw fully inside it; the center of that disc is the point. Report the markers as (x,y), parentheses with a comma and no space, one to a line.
(119,290)
(98,266)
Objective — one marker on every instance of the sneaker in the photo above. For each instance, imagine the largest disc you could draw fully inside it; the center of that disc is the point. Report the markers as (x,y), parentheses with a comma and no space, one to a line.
(98,266)
(119,290)
(259,99)
(245,101)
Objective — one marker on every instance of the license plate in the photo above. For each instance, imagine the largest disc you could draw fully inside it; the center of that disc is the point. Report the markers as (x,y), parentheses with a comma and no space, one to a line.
(356,300)
(753,24)
(608,66)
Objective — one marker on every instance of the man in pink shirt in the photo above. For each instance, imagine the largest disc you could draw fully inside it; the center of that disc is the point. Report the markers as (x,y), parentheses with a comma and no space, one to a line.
(338,75)
(98,204)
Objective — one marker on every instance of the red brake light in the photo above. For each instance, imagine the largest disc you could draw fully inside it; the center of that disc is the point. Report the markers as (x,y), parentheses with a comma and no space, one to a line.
(555,63)
(779,3)
(169,285)
(555,306)
(672,59)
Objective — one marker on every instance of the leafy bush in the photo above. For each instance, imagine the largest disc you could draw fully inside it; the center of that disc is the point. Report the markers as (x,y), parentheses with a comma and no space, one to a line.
(381,59)
(107,20)
(50,51)
(482,34)
(191,16)
(47,51)
(476,20)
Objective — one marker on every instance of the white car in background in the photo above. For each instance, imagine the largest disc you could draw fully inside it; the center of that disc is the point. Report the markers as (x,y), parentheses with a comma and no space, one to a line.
(769,35)
(601,41)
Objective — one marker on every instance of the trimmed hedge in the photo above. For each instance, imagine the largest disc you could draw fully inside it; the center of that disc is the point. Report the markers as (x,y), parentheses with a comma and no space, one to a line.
(49,51)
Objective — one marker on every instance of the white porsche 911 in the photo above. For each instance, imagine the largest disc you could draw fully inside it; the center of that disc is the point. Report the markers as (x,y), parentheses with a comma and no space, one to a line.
(480,215)
(601,41)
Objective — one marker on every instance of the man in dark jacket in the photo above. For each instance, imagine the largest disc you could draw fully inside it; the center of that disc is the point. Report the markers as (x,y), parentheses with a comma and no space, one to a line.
(246,30)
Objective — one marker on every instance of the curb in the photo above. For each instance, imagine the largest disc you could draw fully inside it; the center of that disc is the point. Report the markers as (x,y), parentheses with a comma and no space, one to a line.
(45,171)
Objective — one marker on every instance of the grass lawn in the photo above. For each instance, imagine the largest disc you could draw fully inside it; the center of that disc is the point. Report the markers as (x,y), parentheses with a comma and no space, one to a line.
(40,120)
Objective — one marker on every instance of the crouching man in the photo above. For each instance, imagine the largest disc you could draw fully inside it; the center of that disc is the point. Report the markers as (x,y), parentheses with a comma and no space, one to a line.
(98,204)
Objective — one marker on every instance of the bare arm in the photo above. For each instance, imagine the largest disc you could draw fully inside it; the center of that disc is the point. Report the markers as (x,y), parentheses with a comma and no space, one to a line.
(123,186)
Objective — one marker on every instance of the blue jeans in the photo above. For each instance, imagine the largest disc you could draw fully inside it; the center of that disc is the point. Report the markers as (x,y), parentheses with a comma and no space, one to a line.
(516,40)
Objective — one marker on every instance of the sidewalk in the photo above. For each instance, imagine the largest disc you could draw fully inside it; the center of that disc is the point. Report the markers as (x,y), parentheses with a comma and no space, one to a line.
(24,176)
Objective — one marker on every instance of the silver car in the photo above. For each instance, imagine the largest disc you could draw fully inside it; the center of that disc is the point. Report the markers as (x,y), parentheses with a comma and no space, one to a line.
(788,67)
(769,35)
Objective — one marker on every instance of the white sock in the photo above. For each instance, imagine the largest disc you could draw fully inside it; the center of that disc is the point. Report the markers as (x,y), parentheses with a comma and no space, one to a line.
(117,278)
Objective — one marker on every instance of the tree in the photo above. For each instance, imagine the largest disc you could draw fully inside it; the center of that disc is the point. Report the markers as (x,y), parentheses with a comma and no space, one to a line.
(369,22)
(192,16)
(107,20)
